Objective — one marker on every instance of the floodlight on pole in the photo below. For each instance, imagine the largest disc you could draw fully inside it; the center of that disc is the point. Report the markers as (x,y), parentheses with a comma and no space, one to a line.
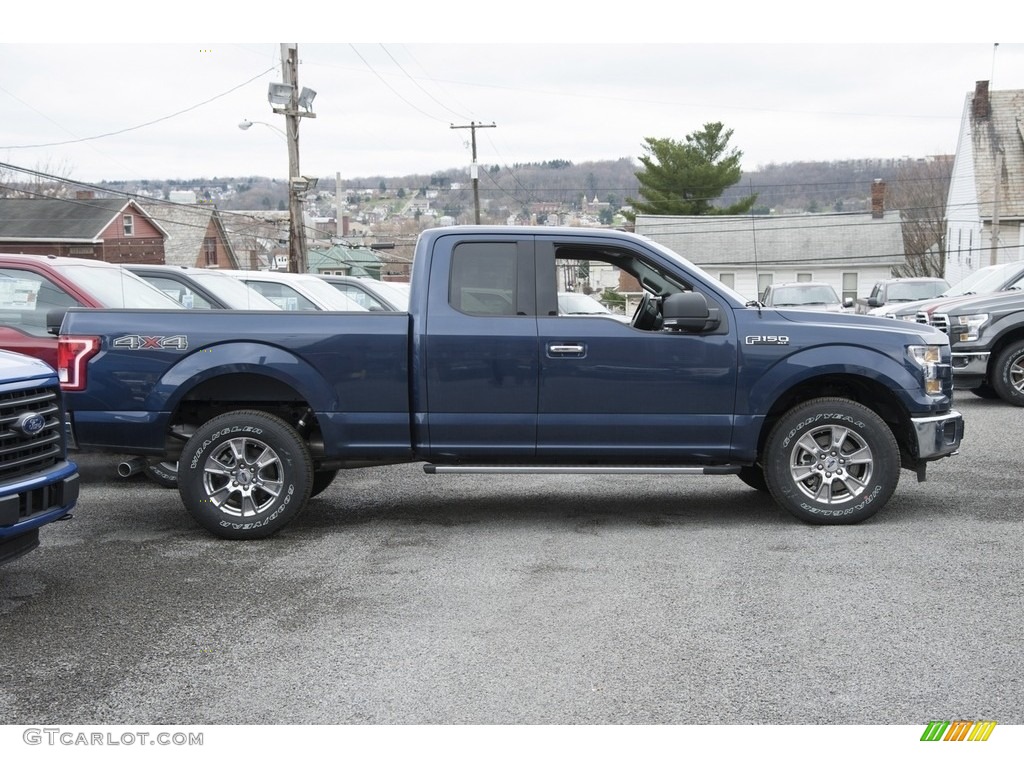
(280,94)
(306,97)
(286,99)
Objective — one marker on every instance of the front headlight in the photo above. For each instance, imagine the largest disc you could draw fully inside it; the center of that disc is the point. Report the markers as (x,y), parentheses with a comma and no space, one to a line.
(927,357)
(969,326)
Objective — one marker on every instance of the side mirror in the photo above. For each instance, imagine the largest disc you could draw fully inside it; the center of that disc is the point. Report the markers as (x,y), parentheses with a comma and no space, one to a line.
(874,301)
(54,320)
(688,312)
(847,302)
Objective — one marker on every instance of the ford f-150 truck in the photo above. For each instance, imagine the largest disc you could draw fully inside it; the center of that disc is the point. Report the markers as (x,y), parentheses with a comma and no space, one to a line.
(482,374)
(986,335)
(38,485)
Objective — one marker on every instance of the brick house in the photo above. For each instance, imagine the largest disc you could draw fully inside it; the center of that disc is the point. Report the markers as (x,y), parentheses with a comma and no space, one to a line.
(117,230)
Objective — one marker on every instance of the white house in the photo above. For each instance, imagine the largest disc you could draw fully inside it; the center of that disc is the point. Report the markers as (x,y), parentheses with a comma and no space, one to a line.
(983,218)
(851,251)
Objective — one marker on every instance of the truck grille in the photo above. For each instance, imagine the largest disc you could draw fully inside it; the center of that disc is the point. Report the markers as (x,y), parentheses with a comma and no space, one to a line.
(937,321)
(22,453)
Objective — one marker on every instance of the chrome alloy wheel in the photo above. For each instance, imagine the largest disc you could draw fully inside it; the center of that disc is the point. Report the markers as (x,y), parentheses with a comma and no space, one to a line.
(243,477)
(1015,373)
(831,464)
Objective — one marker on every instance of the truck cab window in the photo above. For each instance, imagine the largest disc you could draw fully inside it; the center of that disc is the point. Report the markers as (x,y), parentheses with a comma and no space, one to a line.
(611,284)
(484,279)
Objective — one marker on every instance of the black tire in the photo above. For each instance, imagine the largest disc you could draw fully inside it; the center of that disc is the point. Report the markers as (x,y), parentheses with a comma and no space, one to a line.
(985,391)
(322,481)
(754,477)
(163,473)
(831,462)
(245,475)
(1007,377)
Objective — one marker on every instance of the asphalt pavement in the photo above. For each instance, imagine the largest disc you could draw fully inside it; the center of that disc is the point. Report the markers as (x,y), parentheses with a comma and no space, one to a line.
(403,598)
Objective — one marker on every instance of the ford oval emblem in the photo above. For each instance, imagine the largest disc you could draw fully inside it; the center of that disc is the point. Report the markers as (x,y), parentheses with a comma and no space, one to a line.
(30,424)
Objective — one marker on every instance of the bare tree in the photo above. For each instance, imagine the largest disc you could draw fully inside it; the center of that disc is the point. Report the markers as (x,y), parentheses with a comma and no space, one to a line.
(919,194)
(47,180)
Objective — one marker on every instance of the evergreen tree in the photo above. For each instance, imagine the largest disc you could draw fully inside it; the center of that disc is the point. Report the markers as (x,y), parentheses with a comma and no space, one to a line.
(683,179)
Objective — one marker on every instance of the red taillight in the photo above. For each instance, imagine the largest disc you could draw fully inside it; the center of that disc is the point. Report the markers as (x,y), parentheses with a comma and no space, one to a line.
(73,352)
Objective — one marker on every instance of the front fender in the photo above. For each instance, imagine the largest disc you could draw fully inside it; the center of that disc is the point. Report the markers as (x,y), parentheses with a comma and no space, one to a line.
(764,380)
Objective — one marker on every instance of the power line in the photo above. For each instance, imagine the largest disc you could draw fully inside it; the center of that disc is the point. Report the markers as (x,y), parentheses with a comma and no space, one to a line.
(141,125)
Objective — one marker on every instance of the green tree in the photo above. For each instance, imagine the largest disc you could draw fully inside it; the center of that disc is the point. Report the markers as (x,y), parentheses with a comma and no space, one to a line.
(684,178)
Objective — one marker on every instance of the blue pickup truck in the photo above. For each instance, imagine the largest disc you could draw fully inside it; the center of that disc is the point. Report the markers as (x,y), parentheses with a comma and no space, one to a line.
(483,374)
(38,485)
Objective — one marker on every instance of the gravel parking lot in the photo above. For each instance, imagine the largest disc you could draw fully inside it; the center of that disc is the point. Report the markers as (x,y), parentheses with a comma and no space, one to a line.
(406,598)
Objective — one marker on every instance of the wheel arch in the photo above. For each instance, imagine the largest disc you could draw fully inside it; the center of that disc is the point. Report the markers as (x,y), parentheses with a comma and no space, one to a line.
(871,393)
(1002,342)
(233,377)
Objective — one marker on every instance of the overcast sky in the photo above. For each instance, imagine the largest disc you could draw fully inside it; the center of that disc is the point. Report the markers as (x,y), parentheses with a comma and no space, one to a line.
(114,110)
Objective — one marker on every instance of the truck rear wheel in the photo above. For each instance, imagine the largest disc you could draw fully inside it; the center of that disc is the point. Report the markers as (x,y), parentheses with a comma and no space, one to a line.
(163,473)
(1008,374)
(831,461)
(245,475)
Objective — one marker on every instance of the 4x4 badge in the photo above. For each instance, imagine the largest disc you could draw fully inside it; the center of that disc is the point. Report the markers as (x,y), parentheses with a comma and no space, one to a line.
(151,342)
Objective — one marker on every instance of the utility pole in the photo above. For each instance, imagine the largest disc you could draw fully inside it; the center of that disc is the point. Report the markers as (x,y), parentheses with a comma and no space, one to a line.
(474,172)
(290,100)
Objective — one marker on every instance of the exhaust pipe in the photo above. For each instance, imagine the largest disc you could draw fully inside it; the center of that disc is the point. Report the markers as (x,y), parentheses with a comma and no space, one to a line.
(131,466)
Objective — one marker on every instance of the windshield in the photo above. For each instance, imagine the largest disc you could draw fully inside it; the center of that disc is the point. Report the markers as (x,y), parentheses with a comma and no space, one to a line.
(326,295)
(797,295)
(915,291)
(117,288)
(234,293)
(985,280)
(396,295)
(580,304)
(689,265)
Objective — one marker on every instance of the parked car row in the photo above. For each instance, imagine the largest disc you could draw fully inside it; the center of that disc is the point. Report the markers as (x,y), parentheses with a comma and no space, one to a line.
(39,485)
(987,280)
(33,286)
(805,295)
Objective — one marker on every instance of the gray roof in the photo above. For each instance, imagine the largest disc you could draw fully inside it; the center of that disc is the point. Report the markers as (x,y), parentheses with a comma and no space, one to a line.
(1003,129)
(59,220)
(819,239)
(361,261)
(186,227)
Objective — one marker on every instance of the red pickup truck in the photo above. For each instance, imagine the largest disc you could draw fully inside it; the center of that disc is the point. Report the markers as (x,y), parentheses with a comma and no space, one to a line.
(31,286)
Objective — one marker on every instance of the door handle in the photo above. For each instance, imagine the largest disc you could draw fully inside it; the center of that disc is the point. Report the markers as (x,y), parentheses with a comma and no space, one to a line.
(567,350)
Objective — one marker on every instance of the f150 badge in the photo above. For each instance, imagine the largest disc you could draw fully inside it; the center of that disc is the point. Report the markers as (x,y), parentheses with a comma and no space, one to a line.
(773,340)
(151,342)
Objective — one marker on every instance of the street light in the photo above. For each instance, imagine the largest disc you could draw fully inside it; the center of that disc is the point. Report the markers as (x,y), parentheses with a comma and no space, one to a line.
(245,125)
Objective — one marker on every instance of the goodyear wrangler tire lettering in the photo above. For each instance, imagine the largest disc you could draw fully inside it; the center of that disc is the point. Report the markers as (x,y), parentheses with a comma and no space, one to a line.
(163,473)
(831,461)
(249,475)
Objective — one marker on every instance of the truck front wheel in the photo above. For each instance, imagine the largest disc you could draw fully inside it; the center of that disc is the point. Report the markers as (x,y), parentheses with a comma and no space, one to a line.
(245,475)
(1008,374)
(831,461)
